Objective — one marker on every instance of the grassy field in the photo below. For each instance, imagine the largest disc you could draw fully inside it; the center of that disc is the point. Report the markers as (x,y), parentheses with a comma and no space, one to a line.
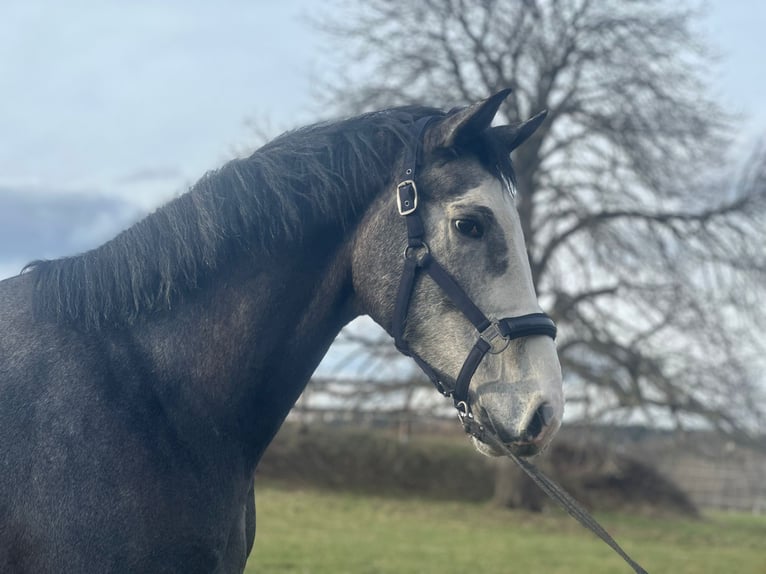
(313,532)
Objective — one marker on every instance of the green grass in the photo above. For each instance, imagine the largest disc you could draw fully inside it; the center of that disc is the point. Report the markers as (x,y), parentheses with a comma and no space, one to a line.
(313,532)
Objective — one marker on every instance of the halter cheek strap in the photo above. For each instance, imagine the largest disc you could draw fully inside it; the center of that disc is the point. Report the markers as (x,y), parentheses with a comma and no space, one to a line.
(493,336)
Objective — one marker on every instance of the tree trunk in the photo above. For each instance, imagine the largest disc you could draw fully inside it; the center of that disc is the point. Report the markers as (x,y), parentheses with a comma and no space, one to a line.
(514,489)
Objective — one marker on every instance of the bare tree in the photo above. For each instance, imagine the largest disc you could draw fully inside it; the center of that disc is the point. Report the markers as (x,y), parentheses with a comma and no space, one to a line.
(645,236)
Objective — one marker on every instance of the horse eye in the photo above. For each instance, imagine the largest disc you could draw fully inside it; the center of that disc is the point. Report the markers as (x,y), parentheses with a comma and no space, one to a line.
(469,228)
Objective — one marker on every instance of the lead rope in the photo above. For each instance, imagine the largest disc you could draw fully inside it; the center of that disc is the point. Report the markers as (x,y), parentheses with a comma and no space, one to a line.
(549,487)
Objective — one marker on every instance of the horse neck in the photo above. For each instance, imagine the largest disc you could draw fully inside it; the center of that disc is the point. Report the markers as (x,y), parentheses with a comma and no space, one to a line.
(233,357)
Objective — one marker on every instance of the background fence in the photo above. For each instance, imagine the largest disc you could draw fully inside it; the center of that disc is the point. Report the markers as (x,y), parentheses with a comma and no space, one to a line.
(715,474)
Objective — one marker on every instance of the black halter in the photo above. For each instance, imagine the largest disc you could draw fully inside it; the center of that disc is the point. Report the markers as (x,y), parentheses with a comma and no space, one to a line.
(494,336)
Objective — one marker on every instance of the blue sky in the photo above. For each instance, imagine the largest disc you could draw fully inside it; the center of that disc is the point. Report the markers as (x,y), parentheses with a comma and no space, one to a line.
(111,107)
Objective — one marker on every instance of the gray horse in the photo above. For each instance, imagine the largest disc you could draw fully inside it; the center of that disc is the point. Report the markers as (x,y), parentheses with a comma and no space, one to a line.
(141,382)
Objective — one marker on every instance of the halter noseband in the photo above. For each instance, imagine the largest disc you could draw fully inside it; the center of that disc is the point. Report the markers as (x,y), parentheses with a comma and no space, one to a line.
(494,336)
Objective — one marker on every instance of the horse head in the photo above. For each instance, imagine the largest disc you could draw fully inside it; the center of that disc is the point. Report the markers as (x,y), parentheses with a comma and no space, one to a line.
(455,282)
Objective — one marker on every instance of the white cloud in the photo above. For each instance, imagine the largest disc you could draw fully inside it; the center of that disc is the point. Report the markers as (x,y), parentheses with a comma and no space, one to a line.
(94,90)
(39,223)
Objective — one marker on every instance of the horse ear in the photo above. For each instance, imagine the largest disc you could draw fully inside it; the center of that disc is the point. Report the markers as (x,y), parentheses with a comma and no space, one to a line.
(513,136)
(466,122)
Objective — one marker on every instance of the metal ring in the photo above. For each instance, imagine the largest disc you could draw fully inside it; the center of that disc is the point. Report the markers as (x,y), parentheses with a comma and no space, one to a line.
(493,335)
(423,245)
(507,344)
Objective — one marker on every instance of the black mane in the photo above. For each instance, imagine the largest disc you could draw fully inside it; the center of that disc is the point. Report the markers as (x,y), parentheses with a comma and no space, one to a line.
(326,173)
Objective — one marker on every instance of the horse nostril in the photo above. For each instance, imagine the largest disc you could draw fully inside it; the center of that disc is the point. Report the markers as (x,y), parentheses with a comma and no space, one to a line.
(541,418)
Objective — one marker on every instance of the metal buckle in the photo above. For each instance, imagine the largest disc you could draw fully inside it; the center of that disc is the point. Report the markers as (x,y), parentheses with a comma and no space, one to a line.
(491,335)
(404,207)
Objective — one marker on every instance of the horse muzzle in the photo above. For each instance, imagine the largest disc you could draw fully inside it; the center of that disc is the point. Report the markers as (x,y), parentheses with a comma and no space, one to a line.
(531,437)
